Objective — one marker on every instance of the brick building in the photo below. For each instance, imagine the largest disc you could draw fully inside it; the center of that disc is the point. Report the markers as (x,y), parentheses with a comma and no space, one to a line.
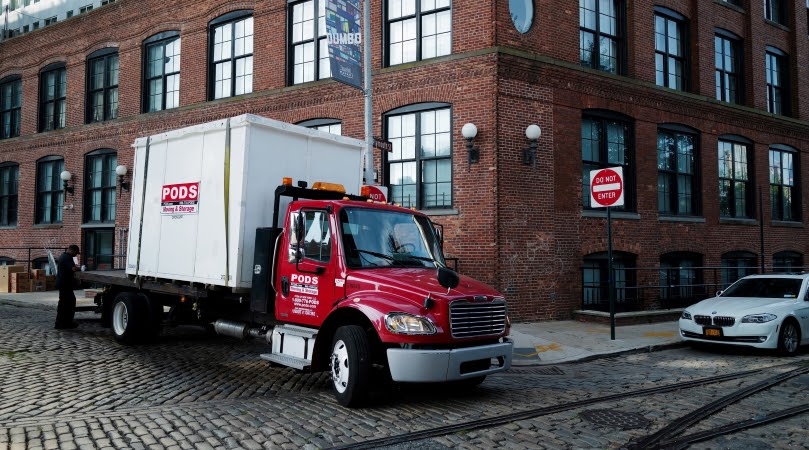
(703,103)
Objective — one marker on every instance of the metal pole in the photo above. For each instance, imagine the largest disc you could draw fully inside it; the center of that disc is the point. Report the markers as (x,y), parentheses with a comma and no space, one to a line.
(366,67)
(761,227)
(611,278)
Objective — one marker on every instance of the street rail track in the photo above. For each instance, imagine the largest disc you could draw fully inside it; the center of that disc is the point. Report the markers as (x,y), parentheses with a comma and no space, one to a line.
(662,437)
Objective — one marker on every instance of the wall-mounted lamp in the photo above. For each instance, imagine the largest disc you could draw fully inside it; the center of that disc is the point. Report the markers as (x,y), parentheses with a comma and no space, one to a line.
(529,154)
(66,176)
(122,185)
(469,131)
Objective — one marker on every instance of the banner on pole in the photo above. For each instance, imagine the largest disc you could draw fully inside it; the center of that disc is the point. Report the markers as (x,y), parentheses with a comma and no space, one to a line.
(344,39)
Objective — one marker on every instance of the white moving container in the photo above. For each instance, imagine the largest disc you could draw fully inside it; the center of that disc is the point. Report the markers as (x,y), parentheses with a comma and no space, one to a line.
(199,193)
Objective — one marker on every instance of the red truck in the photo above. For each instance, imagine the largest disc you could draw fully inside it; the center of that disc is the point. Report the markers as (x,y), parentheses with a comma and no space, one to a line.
(339,283)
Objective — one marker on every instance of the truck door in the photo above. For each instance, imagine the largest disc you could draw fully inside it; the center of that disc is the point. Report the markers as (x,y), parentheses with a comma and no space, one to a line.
(306,270)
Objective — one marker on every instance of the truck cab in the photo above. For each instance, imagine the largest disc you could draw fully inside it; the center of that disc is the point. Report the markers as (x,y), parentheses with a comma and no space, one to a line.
(359,283)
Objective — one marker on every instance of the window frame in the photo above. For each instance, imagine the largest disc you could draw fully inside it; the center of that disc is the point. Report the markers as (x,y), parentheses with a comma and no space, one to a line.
(321,69)
(681,25)
(790,261)
(107,56)
(161,39)
(722,74)
(672,266)
(9,196)
(605,117)
(738,269)
(775,11)
(678,131)
(107,210)
(417,110)
(56,195)
(625,281)
(14,112)
(781,89)
(52,123)
(777,206)
(732,201)
(324,124)
(619,38)
(230,19)
(418,16)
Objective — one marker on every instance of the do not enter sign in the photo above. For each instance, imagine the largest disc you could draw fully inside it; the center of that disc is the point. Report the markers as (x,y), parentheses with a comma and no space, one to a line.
(607,187)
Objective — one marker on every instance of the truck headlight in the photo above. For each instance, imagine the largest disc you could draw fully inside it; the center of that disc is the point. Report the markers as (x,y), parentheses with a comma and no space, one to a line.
(759,318)
(403,323)
(685,315)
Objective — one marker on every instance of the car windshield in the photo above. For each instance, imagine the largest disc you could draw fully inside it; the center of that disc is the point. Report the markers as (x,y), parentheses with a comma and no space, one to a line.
(765,288)
(381,238)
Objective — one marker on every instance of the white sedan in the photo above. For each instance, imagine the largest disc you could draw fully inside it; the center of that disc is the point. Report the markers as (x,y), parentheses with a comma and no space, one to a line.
(764,311)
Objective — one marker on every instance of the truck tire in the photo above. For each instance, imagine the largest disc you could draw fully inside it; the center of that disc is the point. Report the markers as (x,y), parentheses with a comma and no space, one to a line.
(350,365)
(130,317)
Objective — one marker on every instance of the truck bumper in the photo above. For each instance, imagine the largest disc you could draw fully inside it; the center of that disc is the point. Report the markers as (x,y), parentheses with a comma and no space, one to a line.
(428,366)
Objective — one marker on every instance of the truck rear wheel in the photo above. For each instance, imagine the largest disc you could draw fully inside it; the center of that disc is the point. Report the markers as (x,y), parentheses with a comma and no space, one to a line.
(350,365)
(129,318)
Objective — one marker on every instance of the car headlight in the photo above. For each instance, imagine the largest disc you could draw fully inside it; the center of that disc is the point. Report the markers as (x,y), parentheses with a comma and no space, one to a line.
(685,315)
(758,318)
(403,323)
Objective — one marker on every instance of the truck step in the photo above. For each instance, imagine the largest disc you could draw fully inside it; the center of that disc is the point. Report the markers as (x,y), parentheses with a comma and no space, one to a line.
(289,361)
(295,330)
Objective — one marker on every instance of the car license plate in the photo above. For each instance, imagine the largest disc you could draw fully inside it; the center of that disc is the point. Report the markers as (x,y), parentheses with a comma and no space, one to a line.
(712,332)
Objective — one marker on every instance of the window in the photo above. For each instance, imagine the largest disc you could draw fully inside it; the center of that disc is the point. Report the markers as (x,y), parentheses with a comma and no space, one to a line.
(681,279)
(70,14)
(787,261)
(736,265)
(10,105)
(231,57)
(727,49)
(102,85)
(162,72)
(784,195)
(25,28)
(735,188)
(7,261)
(52,89)
(417,29)
(677,175)
(85,9)
(106,2)
(9,182)
(35,25)
(49,190)
(606,142)
(601,34)
(775,10)
(733,2)
(595,282)
(310,55)
(50,21)
(420,166)
(670,47)
(776,62)
(316,238)
(99,187)
(332,126)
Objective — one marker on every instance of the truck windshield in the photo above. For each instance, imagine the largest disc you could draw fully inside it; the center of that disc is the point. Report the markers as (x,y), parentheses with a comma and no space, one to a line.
(380,238)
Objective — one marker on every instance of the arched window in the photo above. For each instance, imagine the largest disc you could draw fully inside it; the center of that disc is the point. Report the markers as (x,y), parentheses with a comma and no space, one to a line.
(678,177)
(607,141)
(9,182)
(333,126)
(161,71)
(785,194)
(52,95)
(787,261)
(735,177)
(595,282)
(102,85)
(681,279)
(10,106)
(50,191)
(736,265)
(99,186)
(230,61)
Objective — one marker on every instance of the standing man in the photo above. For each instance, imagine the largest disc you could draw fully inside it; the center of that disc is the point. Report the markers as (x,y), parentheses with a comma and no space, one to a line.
(65,267)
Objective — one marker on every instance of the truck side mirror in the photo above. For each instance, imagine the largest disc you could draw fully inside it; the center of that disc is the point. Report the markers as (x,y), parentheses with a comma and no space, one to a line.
(448,278)
(299,225)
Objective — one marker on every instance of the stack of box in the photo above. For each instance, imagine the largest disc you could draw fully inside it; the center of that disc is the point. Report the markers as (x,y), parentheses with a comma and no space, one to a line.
(37,280)
(6,276)
(20,282)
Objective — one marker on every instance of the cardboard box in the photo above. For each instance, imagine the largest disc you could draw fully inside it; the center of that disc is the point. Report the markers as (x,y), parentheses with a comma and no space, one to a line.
(50,282)
(22,286)
(38,274)
(5,276)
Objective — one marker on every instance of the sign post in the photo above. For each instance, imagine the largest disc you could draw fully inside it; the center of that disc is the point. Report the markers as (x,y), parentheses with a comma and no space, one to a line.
(607,190)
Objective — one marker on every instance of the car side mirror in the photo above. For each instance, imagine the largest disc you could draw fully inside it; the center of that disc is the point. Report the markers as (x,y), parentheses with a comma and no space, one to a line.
(718,293)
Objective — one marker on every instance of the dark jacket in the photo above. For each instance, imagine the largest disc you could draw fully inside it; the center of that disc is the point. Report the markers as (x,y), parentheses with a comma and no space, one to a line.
(64,271)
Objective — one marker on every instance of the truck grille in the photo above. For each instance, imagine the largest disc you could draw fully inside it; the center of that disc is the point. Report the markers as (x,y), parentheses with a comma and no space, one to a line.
(471,319)
(720,321)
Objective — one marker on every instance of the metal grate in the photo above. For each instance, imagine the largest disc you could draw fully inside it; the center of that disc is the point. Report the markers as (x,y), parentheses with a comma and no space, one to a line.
(472,319)
(719,321)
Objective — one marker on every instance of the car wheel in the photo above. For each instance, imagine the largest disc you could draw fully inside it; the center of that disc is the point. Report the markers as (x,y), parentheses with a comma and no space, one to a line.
(789,338)
(129,318)
(350,365)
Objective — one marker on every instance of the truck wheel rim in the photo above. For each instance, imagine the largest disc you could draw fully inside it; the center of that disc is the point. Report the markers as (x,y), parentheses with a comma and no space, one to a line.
(790,338)
(339,366)
(120,317)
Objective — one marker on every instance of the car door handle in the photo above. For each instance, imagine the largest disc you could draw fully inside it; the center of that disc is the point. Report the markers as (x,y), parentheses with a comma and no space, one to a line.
(285,286)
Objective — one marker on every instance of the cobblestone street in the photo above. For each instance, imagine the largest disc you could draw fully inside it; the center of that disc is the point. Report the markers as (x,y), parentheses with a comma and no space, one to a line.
(80,389)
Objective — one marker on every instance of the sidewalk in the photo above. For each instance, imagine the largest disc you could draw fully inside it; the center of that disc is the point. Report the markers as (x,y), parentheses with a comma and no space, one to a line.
(536,343)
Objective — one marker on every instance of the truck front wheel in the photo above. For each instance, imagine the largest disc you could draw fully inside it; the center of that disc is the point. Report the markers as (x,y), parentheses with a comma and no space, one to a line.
(350,365)
(129,317)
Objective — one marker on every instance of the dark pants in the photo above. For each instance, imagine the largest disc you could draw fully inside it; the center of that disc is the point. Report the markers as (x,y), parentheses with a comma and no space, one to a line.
(66,308)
